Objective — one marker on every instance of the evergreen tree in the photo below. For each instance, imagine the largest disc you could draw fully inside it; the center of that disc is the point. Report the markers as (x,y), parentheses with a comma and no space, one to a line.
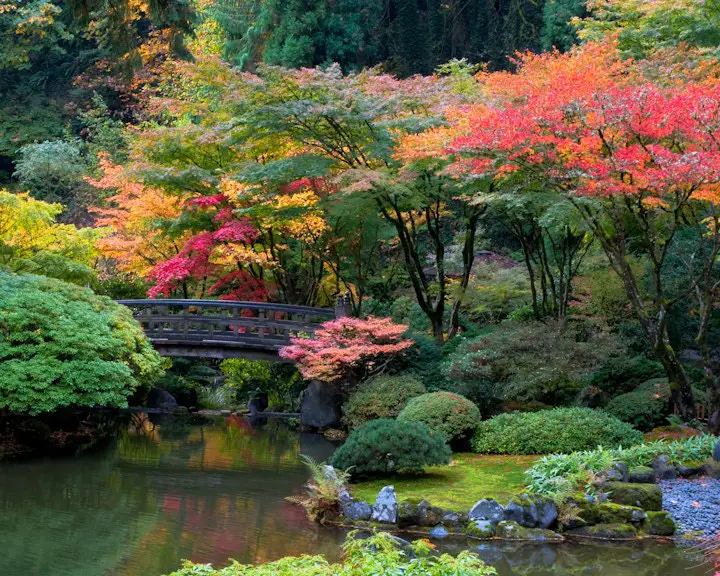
(558,31)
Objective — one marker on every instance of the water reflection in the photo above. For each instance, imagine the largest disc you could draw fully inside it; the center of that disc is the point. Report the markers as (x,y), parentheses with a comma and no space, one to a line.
(168,490)
(164,492)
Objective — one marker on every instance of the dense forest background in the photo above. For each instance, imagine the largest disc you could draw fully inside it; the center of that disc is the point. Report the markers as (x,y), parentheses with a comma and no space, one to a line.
(69,69)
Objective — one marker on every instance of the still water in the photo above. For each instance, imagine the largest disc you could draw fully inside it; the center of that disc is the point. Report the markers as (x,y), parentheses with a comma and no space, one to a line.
(167,491)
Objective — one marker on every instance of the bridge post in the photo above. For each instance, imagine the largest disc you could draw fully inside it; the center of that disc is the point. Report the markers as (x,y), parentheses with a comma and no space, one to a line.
(343,306)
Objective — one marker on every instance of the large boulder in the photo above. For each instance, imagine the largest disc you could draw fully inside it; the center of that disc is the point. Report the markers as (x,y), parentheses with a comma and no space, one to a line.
(609,513)
(645,496)
(663,469)
(386,506)
(531,511)
(321,405)
(357,511)
(159,399)
(258,403)
(716,452)
(413,513)
(487,509)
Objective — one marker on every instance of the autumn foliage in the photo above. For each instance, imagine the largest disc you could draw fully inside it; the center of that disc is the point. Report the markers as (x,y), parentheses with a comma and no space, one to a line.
(348,349)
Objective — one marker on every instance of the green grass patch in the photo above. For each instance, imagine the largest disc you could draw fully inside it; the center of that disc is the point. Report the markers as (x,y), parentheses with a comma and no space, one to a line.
(458,486)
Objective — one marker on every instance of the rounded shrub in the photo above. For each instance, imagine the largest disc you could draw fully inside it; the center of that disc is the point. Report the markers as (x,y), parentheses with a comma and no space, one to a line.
(380,397)
(387,446)
(561,430)
(452,415)
(63,346)
(646,407)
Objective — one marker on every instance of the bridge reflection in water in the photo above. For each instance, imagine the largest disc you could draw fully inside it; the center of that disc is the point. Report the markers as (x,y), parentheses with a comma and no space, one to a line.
(226,328)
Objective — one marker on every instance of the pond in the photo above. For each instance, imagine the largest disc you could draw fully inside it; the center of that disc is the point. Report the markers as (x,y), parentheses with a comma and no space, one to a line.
(167,490)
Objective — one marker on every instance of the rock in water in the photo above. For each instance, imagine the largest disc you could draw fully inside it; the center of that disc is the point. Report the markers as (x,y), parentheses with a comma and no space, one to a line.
(487,510)
(320,406)
(161,399)
(439,533)
(386,506)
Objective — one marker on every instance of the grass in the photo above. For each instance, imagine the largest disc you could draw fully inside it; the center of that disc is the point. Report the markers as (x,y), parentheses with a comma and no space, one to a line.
(469,478)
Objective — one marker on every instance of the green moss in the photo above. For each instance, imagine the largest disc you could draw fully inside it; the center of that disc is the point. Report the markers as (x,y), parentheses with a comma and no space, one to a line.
(469,478)
(609,513)
(658,524)
(607,531)
(645,496)
(480,529)
(513,531)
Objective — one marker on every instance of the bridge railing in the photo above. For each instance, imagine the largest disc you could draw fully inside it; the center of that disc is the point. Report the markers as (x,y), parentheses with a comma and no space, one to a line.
(253,324)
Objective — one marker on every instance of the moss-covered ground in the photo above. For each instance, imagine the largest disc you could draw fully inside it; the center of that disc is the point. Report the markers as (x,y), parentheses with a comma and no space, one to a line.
(469,478)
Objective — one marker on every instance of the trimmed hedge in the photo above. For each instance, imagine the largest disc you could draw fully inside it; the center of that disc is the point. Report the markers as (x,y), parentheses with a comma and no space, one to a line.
(452,415)
(387,446)
(561,430)
(380,397)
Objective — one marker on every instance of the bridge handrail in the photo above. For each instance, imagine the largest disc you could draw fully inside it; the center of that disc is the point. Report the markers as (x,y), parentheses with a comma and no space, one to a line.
(329,312)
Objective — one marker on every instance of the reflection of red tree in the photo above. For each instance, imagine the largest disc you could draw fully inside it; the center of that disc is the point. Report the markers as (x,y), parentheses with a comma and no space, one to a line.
(172,504)
(239,422)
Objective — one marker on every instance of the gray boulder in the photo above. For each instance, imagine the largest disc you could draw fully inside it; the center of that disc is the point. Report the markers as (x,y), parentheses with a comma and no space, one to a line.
(386,506)
(480,529)
(454,519)
(547,512)
(321,405)
(487,509)
(160,399)
(523,511)
(663,469)
(356,511)
(641,475)
(716,452)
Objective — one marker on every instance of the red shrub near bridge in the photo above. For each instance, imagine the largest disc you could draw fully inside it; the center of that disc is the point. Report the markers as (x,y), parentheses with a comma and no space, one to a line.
(348,349)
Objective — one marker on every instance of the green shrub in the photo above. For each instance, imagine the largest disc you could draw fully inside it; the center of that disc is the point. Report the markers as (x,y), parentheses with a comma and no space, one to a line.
(623,374)
(531,362)
(378,554)
(452,415)
(380,397)
(646,407)
(548,431)
(560,474)
(61,345)
(387,446)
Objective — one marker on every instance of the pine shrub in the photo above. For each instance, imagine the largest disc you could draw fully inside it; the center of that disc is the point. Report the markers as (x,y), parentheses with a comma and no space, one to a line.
(453,416)
(380,397)
(387,446)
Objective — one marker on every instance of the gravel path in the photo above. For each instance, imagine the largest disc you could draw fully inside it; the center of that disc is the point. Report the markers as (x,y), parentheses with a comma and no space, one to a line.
(693,504)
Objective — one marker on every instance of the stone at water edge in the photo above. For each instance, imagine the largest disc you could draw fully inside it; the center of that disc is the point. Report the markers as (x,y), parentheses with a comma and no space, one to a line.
(480,529)
(161,399)
(356,511)
(487,509)
(320,406)
(386,506)
(513,531)
(716,452)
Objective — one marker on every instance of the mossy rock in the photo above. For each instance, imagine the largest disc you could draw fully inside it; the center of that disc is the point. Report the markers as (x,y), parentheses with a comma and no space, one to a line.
(480,529)
(606,531)
(658,524)
(609,513)
(513,531)
(712,468)
(645,496)
(641,475)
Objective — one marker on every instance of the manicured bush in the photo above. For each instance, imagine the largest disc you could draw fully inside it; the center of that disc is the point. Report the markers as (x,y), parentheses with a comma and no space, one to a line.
(387,446)
(380,397)
(452,415)
(646,407)
(560,474)
(63,346)
(379,554)
(549,431)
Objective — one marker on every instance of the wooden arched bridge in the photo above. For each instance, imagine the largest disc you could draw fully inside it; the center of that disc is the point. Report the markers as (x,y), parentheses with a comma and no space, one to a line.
(226,328)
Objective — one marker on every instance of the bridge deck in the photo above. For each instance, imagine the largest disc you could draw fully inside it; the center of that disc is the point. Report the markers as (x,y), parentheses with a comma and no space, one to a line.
(224,328)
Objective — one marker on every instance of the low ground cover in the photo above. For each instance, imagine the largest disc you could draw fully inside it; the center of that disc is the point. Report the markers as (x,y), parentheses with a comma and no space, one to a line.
(458,486)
